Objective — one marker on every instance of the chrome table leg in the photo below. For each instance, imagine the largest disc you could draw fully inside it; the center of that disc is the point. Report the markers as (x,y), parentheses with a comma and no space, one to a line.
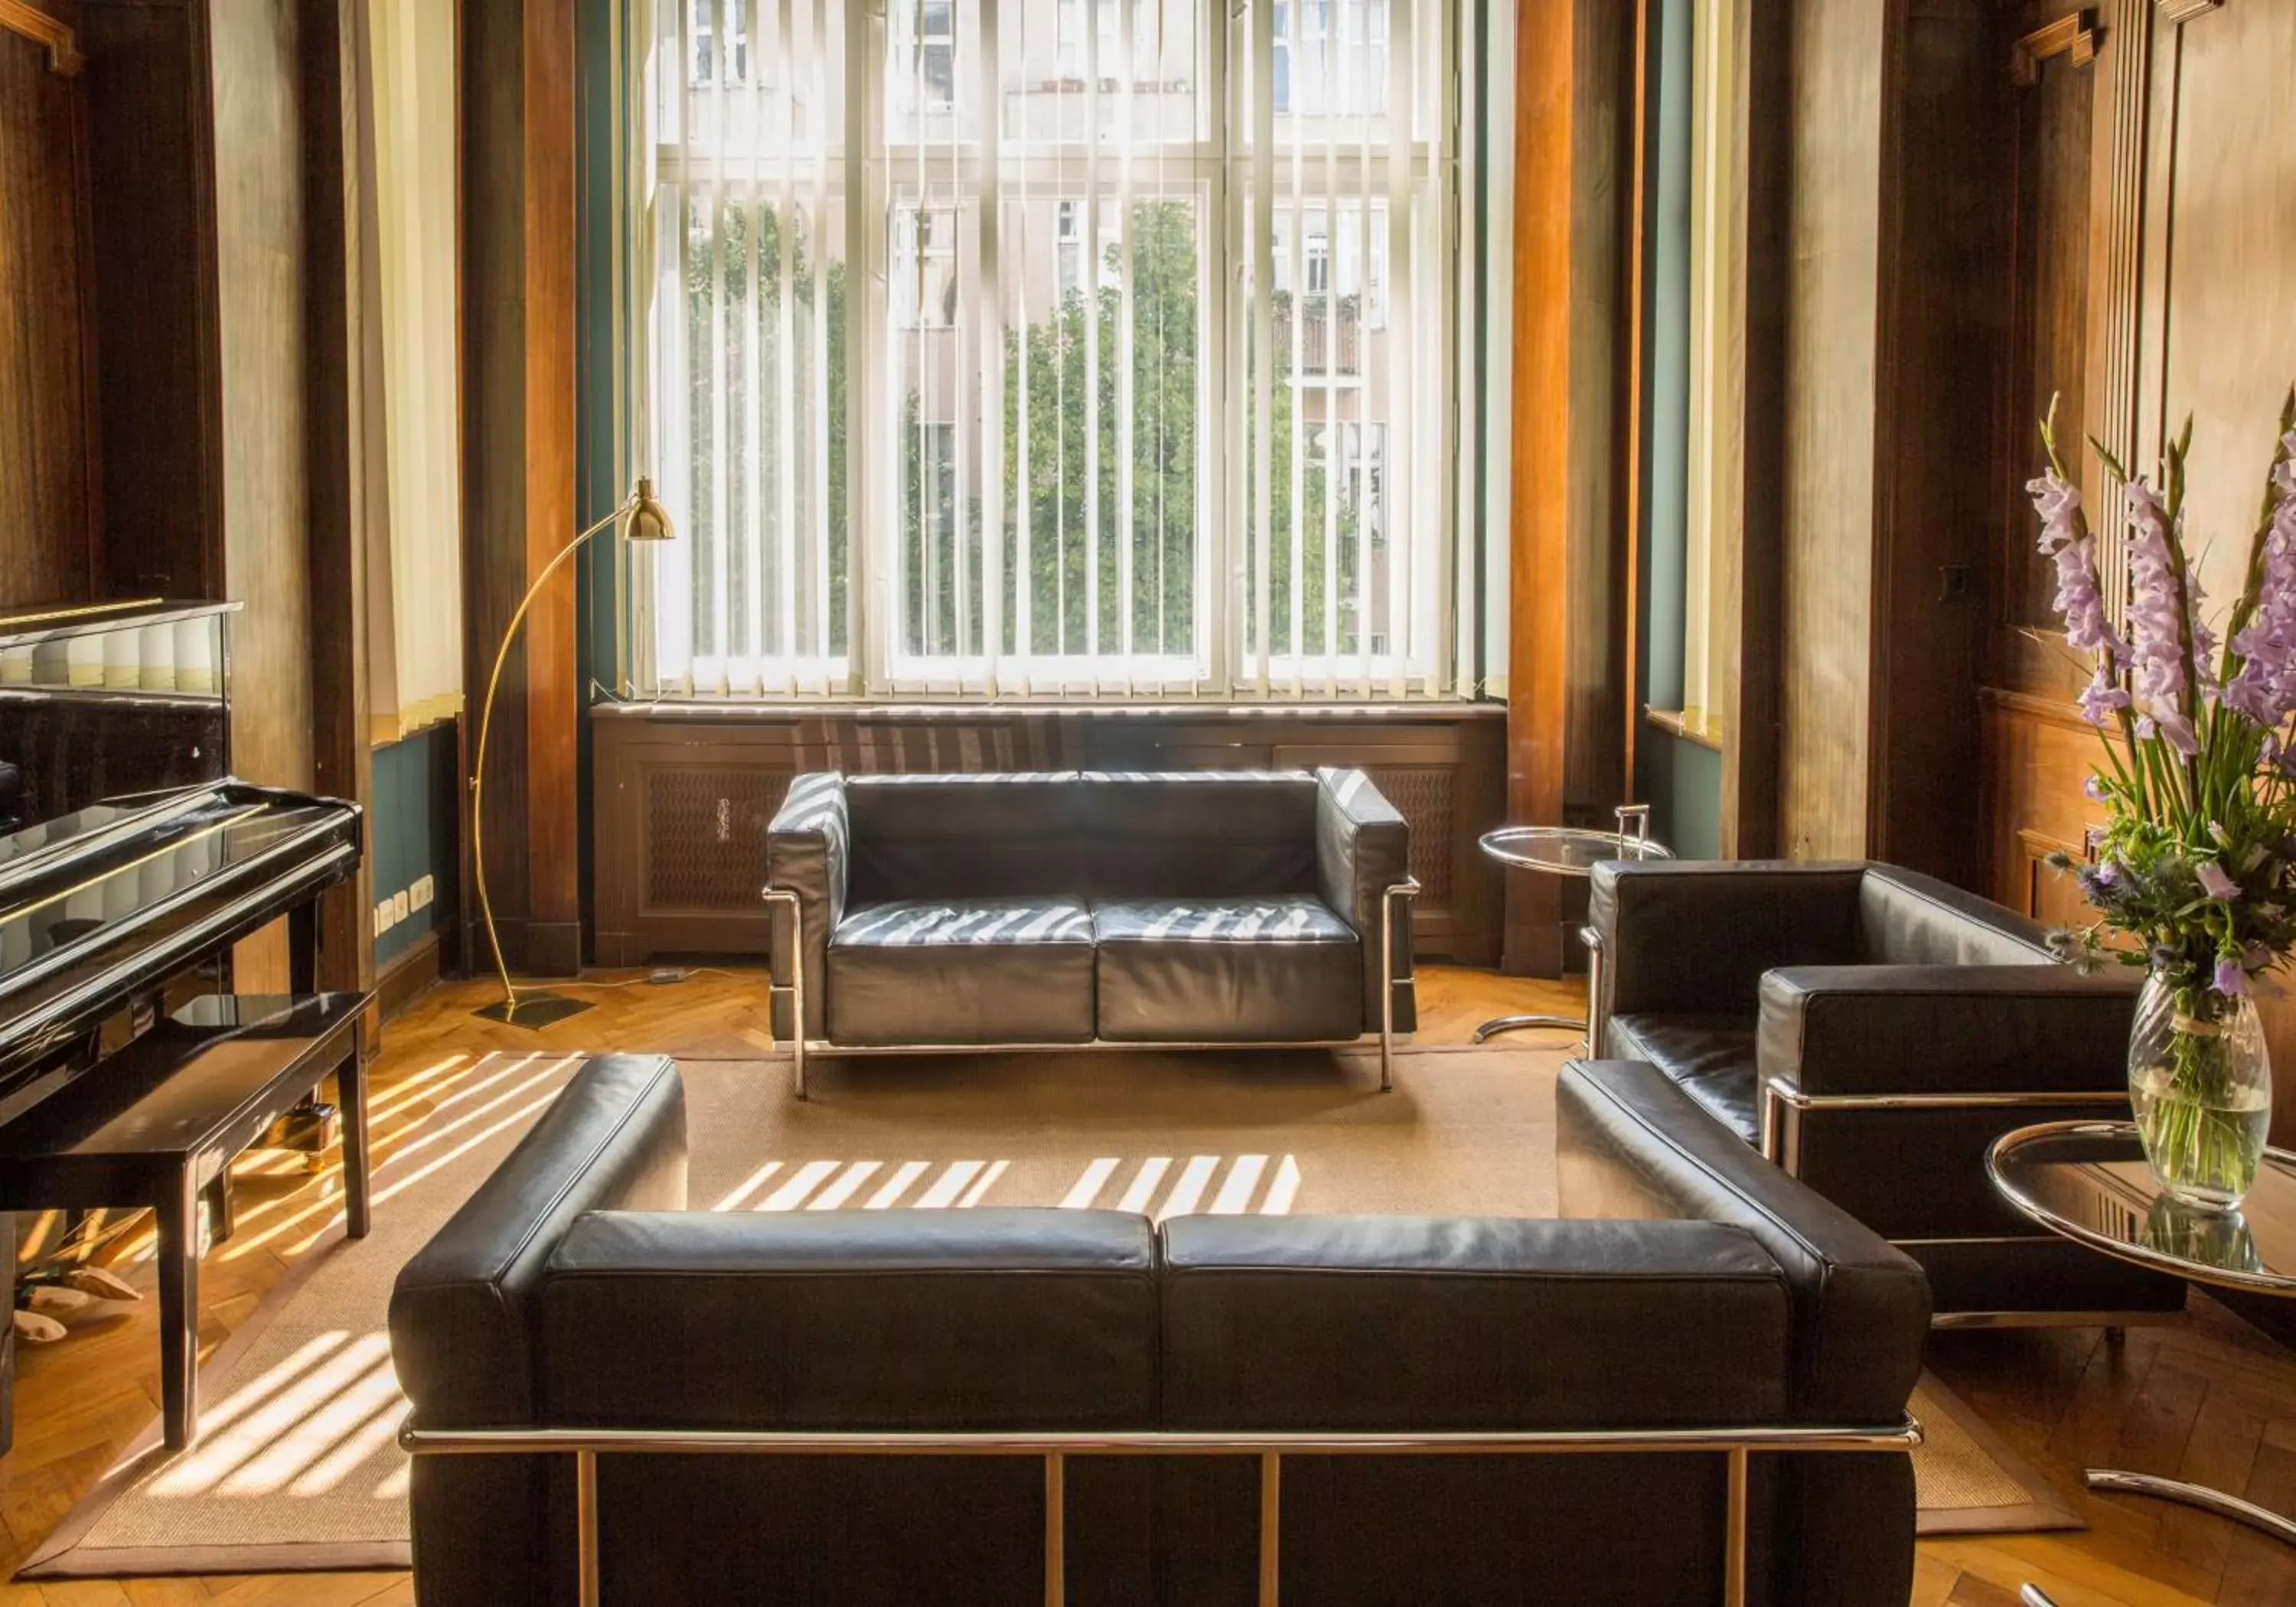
(1517,1023)
(2116,1481)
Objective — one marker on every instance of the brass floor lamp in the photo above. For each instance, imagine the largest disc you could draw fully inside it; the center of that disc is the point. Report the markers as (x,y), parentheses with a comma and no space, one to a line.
(641,519)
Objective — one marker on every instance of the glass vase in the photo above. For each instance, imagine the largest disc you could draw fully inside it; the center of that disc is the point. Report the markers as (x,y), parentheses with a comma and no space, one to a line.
(2201,1084)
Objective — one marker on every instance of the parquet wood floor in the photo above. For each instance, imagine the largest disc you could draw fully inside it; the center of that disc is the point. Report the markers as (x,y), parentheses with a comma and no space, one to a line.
(2212,1399)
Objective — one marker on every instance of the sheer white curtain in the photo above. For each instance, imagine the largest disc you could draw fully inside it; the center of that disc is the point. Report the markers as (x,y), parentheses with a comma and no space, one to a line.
(1053,347)
(406,94)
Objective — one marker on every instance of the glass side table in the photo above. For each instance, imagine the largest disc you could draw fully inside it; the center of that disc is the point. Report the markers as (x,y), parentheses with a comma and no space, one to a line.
(2087,1180)
(1568,851)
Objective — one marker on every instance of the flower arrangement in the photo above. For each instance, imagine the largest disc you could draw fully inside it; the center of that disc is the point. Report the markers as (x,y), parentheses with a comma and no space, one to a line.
(2196,870)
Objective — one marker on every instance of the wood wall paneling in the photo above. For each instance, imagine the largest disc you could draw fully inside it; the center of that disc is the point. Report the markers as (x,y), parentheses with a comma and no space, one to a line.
(48,494)
(1942,329)
(1566,585)
(684,796)
(259,231)
(2185,303)
(151,177)
(518,367)
(1837,51)
(342,760)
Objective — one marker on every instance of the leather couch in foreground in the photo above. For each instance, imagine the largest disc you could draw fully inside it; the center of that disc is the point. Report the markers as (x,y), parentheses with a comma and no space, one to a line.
(1873,1030)
(570,1295)
(940,912)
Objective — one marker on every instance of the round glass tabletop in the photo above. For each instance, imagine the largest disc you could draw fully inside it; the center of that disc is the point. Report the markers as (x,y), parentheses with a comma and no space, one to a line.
(1567,850)
(2087,1180)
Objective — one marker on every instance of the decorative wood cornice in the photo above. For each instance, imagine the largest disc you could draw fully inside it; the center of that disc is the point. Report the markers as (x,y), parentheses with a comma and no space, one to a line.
(2073,34)
(50,33)
(2177,13)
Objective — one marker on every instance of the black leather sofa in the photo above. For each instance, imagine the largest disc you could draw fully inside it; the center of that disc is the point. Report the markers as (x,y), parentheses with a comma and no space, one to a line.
(1873,1030)
(940,912)
(572,1294)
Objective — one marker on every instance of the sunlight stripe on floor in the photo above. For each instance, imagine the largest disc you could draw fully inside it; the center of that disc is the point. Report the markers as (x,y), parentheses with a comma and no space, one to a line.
(949,1185)
(1284,1191)
(801,1183)
(1193,1179)
(748,1185)
(1143,1183)
(898,1184)
(848,1183)
(1234,1196)
(972,1195)
(1088,1186)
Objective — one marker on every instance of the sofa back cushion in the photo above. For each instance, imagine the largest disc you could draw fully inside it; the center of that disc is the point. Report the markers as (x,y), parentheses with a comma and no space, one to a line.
(1198,834)
(962,836)
(857,1320)
(1904,918)
(1386,1322)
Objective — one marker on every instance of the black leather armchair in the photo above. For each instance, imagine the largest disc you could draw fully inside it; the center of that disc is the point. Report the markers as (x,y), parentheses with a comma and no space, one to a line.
(948,913)
(1871,1030)
(1272,1390)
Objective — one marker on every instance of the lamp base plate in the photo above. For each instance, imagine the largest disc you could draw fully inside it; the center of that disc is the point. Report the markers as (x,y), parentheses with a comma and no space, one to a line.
(535,1010)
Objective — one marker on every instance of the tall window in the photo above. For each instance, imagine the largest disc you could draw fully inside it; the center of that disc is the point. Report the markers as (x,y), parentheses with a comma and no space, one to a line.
(1112,359)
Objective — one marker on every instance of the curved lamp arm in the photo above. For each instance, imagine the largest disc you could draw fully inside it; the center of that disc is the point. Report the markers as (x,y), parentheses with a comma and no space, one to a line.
(641,510)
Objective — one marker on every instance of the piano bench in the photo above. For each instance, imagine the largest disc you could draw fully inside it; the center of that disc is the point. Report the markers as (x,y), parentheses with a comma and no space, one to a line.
(159,1124)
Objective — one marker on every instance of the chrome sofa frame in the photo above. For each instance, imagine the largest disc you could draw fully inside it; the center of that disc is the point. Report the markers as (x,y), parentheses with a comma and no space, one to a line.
(803,1047)
(1780,1094)
(585,1446)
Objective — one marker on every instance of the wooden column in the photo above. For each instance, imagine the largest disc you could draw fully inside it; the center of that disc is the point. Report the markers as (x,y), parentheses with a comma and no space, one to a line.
(1567,546)
(518,358)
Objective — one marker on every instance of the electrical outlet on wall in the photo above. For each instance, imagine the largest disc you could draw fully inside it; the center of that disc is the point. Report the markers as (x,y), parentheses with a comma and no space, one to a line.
(420,895)
(383,917)
(398,906)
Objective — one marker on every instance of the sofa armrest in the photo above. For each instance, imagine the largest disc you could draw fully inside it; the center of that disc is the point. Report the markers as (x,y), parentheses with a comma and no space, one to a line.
(460,1329)
(1695,936)
(807,848)
(1628,1143)
(1363,850)
(1947,1028)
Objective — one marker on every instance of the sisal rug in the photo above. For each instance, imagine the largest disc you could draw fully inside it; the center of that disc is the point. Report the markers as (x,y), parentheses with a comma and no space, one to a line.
(296,1469)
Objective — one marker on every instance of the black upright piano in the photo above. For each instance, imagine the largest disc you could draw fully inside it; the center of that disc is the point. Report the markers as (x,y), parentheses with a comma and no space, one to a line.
(131,859)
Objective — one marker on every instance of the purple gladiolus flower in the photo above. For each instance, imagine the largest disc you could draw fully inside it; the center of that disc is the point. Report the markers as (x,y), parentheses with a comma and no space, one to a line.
(2079,601)
(2232,981)
(2102,699)
(2156,631)
(2264,690)
(2094,788)
(2108,872)
(2179,733)
(2213,880)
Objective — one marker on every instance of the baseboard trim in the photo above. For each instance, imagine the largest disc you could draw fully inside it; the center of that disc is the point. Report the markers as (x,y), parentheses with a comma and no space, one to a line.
(407,975)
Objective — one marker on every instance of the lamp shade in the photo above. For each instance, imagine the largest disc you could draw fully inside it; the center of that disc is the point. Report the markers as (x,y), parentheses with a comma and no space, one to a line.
(647,519)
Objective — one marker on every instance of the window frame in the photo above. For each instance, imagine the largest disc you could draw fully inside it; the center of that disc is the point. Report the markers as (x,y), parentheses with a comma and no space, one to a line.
(1210,169)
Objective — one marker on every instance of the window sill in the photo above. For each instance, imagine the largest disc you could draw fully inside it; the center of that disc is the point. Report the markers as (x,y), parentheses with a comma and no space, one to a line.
(739,710)
(1690,724)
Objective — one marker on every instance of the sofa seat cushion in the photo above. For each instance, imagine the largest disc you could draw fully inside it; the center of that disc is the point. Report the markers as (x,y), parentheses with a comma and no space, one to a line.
(1273,969)
(1709,1057)
(962,971)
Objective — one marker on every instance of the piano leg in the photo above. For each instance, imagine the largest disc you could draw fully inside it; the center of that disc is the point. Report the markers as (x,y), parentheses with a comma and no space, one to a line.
(350,1080)
(179,1310)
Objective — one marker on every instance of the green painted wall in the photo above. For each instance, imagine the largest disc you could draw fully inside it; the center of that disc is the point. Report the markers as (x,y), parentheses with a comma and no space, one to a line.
(411,833)
(1681,781)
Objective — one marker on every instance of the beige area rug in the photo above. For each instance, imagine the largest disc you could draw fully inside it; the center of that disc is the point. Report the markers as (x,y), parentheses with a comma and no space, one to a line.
(296,1467)
(1968,1481)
